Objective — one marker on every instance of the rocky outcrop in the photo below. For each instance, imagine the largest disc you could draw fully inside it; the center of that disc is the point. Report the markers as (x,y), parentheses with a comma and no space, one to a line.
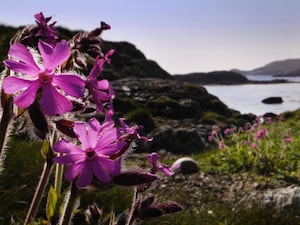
(128,61)
(283,198)
(177,110)
(216,77)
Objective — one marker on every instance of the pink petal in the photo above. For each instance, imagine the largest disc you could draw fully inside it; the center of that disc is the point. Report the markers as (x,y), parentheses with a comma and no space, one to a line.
(64,146)
(108,137)
(103,85)
(12,85)
(97,69)
(81,132)
(112,148)
(100,173)
(71,84)
(86,175)
(93,132)
(73,171)
(68,159)
(21,52)
(53,57)
(21,67)
(53,103)
(27,97)
(113,167)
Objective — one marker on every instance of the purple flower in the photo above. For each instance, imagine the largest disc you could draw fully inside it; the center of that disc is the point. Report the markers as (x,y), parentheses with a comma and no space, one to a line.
(47,32)
(227,131)
(254,145)
(288,139)
(260,134)
(133,132)
(93,157)
(35,78)
(100,90)
(221,145)
(153,159)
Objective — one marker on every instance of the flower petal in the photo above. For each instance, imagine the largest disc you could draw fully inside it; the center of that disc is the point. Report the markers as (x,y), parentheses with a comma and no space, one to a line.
(21,67)
(73,171)
(12,85)
(27,97)
(53,57)
(22,53)
(69,159)
(53,103)
(86,175)
(103,85)
(71,84)
(81,132)
(93,132)
(113,167)
(112,148)
(64,146)
(100,173)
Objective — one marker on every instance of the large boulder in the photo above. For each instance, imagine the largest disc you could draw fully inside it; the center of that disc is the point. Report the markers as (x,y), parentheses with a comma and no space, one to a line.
(273,100)
(185,165)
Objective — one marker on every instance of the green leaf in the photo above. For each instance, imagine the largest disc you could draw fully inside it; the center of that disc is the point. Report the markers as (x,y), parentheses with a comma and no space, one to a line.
(45,149)
(51,203)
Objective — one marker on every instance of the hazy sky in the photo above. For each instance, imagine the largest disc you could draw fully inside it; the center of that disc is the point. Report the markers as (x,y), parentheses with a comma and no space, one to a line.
(181,35)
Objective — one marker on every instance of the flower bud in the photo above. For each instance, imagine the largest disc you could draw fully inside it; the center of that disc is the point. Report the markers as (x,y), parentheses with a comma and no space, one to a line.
(134,178)
(39,120)
(66,127)
(93,214)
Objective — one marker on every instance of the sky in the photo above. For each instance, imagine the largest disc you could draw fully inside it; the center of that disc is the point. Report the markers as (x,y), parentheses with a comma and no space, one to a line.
(182,36)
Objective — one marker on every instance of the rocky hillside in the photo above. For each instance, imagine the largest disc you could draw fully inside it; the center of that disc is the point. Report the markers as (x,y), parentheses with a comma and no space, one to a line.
(216,77)
(281,67)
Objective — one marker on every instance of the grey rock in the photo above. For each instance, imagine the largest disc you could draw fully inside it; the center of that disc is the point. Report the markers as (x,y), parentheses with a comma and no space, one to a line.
(283,198)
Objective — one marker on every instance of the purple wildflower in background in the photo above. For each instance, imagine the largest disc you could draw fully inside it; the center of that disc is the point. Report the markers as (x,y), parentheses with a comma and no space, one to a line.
(35,78)
(260,134)
(221,145)
(288,139)
(134,132)
(93,157)
(101,90)
(153,159)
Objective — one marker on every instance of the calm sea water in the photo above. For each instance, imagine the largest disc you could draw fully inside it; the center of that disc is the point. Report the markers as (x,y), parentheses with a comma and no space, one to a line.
(247,98)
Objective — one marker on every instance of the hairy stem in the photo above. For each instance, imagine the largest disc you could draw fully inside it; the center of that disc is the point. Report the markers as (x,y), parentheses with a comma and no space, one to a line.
(40,188)
(7,115)
(131,217)
(70,205)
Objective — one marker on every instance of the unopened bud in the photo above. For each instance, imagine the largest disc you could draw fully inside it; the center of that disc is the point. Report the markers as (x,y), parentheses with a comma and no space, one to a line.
(134,178)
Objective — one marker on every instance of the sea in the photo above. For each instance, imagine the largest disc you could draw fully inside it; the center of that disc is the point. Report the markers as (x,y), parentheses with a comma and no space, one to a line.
(247,98)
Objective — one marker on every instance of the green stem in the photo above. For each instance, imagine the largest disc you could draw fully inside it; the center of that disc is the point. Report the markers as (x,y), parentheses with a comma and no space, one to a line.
(40,188)
(70,205)
(58,178)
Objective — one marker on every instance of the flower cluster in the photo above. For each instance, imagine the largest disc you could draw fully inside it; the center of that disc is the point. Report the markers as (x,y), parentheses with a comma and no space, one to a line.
(47,78)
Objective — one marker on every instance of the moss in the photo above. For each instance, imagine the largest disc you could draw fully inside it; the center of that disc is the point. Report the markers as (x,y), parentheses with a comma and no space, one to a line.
(142,117)
(211,118)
